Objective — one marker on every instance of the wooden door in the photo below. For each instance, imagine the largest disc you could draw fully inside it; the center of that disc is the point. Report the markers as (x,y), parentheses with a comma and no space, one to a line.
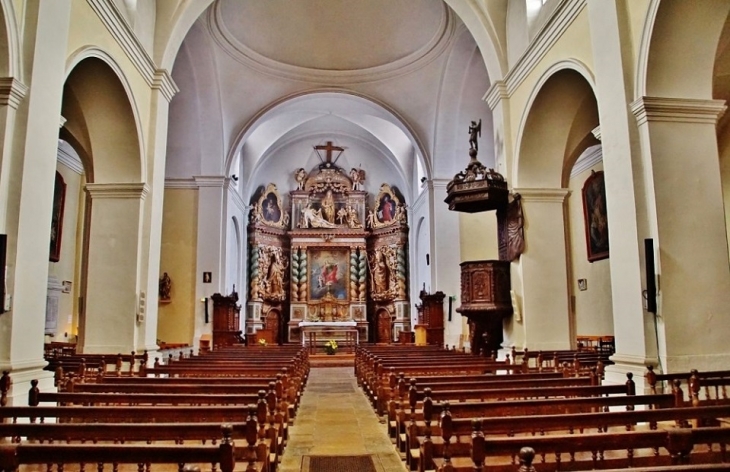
(272,325)
(384,327)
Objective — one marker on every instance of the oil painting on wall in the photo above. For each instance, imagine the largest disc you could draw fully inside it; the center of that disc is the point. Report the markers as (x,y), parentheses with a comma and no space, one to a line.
(328,273)
(596,220)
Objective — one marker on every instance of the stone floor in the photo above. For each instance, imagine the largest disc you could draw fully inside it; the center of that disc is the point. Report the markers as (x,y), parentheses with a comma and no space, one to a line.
(335,418)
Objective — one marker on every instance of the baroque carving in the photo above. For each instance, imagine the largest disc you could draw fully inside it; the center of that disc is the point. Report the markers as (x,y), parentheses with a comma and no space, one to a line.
(389,210)
(269,209)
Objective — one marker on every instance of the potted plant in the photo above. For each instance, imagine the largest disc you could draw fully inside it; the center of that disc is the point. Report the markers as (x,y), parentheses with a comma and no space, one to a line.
(330,347)
(262,342)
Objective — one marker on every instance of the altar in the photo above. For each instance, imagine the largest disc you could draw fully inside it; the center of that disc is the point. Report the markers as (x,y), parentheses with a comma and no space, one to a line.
(344,332)
(332,261)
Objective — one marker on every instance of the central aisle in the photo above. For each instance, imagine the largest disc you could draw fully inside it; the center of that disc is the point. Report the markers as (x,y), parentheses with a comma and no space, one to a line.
(336,419)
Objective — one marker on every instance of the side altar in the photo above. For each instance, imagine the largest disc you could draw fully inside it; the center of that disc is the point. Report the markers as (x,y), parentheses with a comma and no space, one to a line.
(341,257)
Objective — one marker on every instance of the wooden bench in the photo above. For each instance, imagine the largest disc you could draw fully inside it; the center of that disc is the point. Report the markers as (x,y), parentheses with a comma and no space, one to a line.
(592,451)
(458,432)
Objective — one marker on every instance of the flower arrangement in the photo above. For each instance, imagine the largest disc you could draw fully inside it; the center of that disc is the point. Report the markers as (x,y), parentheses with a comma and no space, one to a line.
(330,347)
(262,342)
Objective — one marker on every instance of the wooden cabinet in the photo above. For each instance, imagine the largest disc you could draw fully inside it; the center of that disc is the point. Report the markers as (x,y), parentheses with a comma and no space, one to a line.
(226,320)
(431,315)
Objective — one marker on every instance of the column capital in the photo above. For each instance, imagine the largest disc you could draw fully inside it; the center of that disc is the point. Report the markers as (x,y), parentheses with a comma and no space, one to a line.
(678,110)
(12,91)
(117,190)
(543,195)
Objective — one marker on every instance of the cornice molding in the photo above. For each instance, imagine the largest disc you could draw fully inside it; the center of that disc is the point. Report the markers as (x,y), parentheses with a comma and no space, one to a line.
(118,191)
(545,39)
(587,160)
(543,195)
(420,200)
(236,197)
(71,161)
(496,93)
(181,184)
(217,181)
(112,18)
(596,132)
(678,110)
(12,92)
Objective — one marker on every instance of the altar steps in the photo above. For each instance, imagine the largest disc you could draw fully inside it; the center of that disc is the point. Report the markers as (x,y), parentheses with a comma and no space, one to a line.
(340,359)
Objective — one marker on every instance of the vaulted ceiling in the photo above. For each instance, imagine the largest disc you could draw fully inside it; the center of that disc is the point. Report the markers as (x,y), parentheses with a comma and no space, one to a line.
(402,78)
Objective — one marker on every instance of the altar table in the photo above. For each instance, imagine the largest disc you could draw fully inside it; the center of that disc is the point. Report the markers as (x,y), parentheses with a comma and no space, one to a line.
(329,330)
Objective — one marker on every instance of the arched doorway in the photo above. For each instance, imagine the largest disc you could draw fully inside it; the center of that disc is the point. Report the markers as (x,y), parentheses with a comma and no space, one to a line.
(385,327)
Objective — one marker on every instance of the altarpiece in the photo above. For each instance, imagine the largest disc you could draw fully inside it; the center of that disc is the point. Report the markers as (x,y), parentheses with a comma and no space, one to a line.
(340,259)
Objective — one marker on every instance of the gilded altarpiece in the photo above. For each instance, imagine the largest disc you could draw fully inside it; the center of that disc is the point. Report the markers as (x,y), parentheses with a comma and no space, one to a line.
(342,257)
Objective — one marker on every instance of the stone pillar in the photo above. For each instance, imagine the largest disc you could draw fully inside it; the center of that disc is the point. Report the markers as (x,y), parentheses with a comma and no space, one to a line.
(627,209)
(28,191)
(153,207)
(211,246)
(115,301)
(445,257)
(679,137)
(544,322)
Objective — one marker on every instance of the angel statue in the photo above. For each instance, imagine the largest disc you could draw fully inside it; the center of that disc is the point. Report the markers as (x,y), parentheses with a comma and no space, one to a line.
(475,129)
(358,177)
(300,175)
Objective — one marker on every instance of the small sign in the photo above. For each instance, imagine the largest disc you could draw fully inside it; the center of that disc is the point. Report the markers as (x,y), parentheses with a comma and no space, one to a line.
(582,285)
(207,277)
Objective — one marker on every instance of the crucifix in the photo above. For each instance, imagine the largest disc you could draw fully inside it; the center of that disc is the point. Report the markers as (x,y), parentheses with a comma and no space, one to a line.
(329,148)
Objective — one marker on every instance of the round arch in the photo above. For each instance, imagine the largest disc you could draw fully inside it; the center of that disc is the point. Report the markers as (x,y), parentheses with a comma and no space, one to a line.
(107,90)
(283,104)
(565,94)
(9,43)
(678,48)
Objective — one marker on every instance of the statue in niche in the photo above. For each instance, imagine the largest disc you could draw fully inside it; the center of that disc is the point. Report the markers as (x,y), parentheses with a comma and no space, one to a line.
(379,272)
(275,279)
(371,219)
(300,175)
(328,207)
(351,217)
(358,177)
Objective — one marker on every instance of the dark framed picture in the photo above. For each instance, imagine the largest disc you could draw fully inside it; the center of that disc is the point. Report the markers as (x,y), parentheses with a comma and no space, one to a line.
(207,277)
(59,197)
(595,216)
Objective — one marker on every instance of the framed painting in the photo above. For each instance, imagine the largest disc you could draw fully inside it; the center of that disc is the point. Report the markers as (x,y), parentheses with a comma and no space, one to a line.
(328,273)
(595,216)
(59,197)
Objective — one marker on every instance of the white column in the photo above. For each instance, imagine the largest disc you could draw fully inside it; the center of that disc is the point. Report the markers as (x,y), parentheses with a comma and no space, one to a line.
(544,323)
(445,257)
(626,196)
(11,93)
(152,242)
(113,294)
(30,193)
(211,246)
(680,138)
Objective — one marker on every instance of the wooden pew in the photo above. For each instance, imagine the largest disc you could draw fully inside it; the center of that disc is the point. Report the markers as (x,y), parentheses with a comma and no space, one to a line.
(460,431)
(223,455)
(591,451)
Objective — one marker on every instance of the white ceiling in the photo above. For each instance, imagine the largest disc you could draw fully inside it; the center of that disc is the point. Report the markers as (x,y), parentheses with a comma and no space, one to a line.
(403,76)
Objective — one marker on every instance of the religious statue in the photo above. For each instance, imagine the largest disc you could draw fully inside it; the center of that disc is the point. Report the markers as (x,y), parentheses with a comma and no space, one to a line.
(342,216)
(379,273)
(275,279)
(328,207)
(300,175)
(312,218)
(371,219)
(165,287)
(351,216)
(515,228)
(475,129)
(358,177)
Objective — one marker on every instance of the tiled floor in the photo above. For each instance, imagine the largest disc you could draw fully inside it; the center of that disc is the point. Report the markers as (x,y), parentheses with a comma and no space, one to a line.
(335,418)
